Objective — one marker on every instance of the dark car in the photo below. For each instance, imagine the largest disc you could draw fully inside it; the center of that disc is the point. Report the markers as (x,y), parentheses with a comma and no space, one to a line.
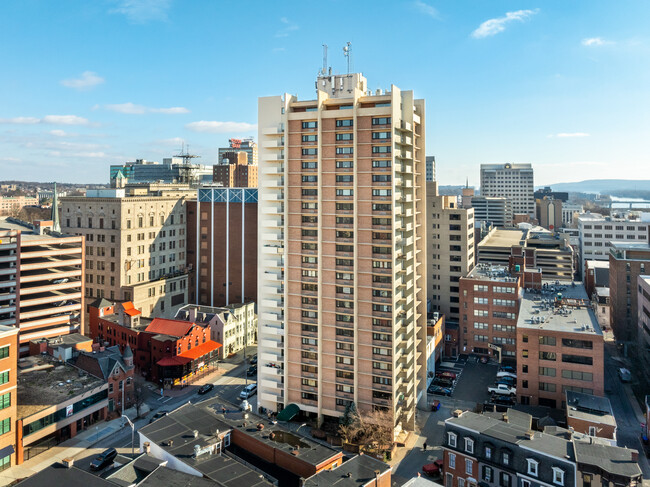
(253,360)
(443,382)
(509,381)
(205,388)
(433,469)
(104,459)
(503,400)
(439,391)
(158,415)
(507,368)
(252,370)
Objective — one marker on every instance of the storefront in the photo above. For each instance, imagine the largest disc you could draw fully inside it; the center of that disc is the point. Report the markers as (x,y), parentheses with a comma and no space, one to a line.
(184,368)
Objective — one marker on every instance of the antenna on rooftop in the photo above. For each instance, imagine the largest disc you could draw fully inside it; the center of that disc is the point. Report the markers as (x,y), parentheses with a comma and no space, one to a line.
(187,171)
(324,71)
(347,52)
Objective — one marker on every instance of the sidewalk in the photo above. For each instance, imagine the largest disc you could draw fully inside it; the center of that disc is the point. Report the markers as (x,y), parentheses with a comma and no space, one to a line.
(70,448)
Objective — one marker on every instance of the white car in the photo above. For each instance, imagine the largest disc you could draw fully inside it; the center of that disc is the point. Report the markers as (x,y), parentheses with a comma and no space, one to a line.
(503,390)
(248,391)
(506,374)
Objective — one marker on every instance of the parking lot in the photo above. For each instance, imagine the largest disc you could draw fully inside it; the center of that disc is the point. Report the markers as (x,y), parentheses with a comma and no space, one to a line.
(473,379)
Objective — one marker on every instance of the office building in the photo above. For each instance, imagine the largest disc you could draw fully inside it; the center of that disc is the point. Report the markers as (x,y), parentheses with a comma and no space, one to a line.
(570,212)
(627,261)
(597,232)
(547,192)
(8,395)
(549,213)
(489,300)
(11,205)
(177,169)
(560,346)
(492,210)
(503,450)
(431,168)
(246,145)
(450,253)
(222,246)
(341,293)
(511,181)
(41,281)
(135,245)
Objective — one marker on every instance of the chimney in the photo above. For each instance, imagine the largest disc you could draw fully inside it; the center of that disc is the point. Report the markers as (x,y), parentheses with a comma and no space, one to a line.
(530,434)
(147,447)
(505,417)
(120,314)
(68,462)
(456,413)
(634,455)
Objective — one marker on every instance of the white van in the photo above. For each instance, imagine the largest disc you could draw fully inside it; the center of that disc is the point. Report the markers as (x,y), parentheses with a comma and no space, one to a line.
(248,391)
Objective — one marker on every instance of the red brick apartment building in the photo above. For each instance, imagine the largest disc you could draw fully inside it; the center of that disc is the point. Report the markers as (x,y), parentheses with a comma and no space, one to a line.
(168,352)
(489,302)
(222,246)
(234,171)
(8,395)
(559,346)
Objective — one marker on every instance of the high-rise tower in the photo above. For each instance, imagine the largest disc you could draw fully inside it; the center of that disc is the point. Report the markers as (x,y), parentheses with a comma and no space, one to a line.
(341,273)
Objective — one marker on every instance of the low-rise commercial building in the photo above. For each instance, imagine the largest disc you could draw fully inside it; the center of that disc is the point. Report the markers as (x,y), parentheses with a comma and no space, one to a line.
(596,275)
(490,307)
(559,346)
(591,415)
(234,326)
(55,402)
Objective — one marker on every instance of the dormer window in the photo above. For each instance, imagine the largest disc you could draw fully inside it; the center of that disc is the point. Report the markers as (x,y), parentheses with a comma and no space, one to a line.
(451,439)
(506,458)
(469,445)
(558,476)
(488,452)
(532,466)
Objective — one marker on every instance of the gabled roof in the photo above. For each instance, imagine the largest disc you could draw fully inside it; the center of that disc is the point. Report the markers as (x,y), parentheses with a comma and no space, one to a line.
(129,309)
(175,328)
(101,364)
(101,303)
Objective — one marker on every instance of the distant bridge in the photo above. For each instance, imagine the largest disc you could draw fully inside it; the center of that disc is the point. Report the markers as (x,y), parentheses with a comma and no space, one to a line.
(631,204)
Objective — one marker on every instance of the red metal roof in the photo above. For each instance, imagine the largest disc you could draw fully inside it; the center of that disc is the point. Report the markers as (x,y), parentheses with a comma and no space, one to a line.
(169,361)
(201,350)
(175,328)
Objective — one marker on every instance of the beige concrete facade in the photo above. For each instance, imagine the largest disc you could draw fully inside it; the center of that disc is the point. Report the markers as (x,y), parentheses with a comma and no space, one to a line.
(450,252)
(341,284)
(135,247)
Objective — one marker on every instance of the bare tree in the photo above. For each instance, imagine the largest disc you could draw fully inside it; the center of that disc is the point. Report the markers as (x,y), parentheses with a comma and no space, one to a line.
(139,394)
(371,430)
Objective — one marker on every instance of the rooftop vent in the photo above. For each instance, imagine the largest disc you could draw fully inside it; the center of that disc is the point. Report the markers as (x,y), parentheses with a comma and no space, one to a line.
(196,433)
(530,434)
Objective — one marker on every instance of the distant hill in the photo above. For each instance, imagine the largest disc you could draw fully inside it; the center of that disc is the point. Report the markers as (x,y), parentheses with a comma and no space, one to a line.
(604,186)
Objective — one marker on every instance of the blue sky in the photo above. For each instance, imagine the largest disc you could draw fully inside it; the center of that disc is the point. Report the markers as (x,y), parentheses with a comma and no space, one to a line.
(563,85)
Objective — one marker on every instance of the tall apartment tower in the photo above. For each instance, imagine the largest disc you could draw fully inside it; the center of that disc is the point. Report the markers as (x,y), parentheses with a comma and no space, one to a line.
(341,273)
(135,245)
(511,181)
(450,254)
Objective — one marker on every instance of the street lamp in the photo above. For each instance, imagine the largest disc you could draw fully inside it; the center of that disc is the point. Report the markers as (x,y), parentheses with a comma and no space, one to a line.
(132,435)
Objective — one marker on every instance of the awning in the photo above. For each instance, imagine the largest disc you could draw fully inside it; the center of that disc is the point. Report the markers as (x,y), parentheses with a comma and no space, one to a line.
(172,361)
(6,451)
(288,413)
(201,350)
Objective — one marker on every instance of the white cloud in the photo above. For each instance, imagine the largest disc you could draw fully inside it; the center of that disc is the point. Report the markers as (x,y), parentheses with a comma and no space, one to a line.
(133,109)
(88,80)
(426,9)
(563,135)
(287,28)
(173,142)
(494,26)
(48,119)
(220,127)
(62,133)
(142,11)
(595,42)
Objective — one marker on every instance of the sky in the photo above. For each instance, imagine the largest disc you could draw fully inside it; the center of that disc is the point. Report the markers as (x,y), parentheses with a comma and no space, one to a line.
(562,85)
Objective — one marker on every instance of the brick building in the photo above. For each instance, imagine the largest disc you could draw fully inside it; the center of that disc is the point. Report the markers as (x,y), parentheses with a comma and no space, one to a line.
(627,261)
(559,346)
(8,394)
(489,301)
(235,171)
(117,369)
(591,415)
(222,246)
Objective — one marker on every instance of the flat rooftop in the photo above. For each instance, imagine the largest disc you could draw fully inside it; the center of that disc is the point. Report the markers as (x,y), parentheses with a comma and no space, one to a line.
(503,238)
(359,470)
(29,233)
(115,318)
(587,407)
(597,264)
(624,245)
(43,381)
(489,272)
(540,310)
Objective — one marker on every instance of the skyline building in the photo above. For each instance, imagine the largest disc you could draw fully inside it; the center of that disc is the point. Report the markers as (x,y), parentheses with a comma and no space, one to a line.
(512,181)
(341,277)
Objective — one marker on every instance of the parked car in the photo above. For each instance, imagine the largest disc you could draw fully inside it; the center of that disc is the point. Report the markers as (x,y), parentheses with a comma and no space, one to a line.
(439,391)
(509,381)
(502,389)
(252,370)
(507,368)
(248,391)
(205,388)
(433,469)
(158,415)
(60,281)
(503,400)
(253,360)
(506,374)
(624,374)
(443,382)
(104,459)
